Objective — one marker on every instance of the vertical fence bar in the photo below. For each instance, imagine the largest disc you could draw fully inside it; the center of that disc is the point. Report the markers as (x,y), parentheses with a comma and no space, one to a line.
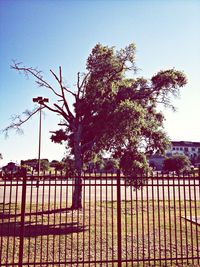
(137,225)
(119,225)
(54,218)
(159,218)
(23,208)
(89,214)
(148,220)
(66,215)
(170,218)
(106,181)
(153,213)
(60,219)
(125,220)
(30,211)
(42,217)
(95,218)
(131,195)
(15,219)
(9,219)
(101,221)
(84,221)
(185,215)
(190,218)
(36,253)
(164,220)
(142,209)
(48,220)
(196,219)
(112,212)
(175,219)
(180,219)
(2,221)
(198,184)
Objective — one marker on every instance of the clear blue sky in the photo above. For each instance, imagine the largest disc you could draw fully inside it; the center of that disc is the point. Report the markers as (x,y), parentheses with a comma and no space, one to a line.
(47,34)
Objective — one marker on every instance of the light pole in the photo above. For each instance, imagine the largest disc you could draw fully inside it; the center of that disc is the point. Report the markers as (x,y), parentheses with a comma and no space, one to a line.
(40,100)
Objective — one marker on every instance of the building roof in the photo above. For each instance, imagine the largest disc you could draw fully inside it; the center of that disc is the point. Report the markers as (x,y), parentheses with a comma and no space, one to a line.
(185,143)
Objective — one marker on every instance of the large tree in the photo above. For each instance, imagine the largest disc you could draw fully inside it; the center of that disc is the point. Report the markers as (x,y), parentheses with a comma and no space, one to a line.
(113,110)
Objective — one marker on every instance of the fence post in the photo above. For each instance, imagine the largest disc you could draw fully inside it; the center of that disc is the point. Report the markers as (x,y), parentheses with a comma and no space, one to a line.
(119,224)
(23,207)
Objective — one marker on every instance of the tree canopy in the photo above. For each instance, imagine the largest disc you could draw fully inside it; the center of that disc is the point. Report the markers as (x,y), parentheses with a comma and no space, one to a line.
(177,163)
(114,111)
(118,114)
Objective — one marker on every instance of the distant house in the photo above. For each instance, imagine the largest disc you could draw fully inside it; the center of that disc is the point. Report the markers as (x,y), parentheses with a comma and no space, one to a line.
(189,149)
(11,167)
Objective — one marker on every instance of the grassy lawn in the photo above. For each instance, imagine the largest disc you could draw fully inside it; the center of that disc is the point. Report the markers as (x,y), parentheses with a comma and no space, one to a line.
(149,230)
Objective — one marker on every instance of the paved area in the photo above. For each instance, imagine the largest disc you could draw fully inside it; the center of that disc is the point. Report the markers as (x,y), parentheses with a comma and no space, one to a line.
(99,191)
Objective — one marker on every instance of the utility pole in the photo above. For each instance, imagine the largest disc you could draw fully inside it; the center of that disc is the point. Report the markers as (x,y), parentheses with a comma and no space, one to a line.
(40,100)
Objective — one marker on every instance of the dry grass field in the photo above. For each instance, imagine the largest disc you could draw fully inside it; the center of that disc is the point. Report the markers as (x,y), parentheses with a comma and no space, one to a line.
(150,230)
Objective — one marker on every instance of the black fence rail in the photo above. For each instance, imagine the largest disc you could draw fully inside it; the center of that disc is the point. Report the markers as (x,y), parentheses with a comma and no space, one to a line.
(157,224)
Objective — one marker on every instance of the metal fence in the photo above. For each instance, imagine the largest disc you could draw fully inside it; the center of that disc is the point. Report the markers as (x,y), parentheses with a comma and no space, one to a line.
(118,225)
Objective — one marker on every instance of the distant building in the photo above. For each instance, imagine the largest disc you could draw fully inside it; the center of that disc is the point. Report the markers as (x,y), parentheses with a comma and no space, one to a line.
(11,167)
(189,149)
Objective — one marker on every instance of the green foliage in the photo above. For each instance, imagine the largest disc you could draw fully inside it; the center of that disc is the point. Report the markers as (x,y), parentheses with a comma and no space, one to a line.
(99,165)
(177,163)
(44,165)
(135,167)
(111,165)
(195,159)
(27,167)
(96,162)
(59,165)
(69,166)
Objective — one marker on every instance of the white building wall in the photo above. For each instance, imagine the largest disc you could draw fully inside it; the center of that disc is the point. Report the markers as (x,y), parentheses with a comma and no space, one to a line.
(189,151)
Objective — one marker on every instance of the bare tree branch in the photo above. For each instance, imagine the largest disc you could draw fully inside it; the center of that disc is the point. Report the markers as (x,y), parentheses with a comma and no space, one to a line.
(63,124)
(41,82)
(61,111)
(60,82)
(69,91)
(18,121)
(62,91)
(37,74)
(80,86)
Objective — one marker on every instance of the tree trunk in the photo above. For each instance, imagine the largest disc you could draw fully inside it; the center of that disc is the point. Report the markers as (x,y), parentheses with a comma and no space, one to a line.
(77,194)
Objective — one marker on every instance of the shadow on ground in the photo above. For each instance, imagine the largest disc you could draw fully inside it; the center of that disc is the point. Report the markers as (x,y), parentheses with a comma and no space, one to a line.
(33,230)
(7,215)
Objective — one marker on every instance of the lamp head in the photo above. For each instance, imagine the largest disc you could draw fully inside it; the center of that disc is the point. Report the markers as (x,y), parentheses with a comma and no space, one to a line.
(37,99)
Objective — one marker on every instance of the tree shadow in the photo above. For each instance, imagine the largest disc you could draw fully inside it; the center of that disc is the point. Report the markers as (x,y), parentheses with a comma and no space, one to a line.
(7,215)
(33,230)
